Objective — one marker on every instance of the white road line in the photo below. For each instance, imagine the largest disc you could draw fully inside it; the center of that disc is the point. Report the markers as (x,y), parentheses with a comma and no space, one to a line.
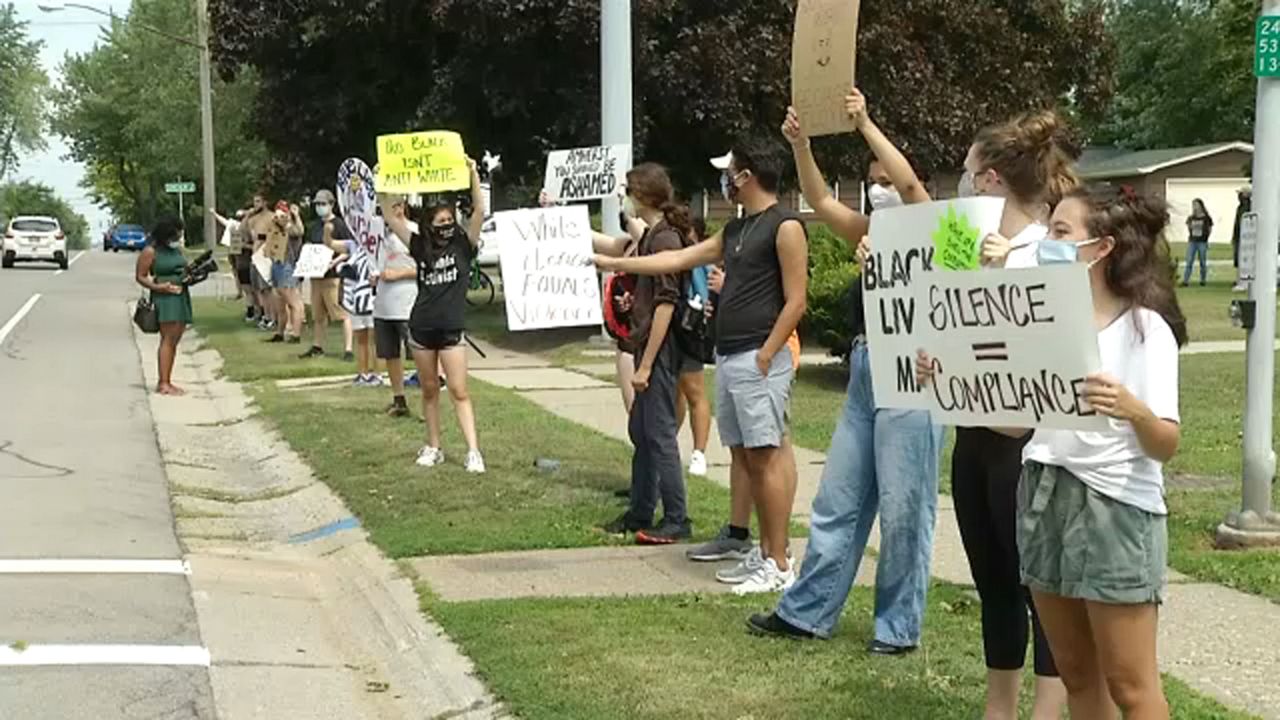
(94,567)
(74,259)
(32,655)
(17,317)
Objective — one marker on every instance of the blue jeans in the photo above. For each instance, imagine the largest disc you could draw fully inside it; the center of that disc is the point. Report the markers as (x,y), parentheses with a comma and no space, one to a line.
(879,459)
(1197,249)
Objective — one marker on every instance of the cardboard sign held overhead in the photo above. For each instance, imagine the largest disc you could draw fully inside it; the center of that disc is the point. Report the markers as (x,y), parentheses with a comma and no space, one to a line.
(422,162)
(823,55)
(586,173)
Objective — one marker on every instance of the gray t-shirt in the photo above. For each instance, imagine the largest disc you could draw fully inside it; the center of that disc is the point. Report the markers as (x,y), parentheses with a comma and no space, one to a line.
(394,299)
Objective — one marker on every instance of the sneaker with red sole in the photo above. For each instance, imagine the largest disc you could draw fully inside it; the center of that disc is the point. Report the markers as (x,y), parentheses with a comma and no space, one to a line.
(667,533)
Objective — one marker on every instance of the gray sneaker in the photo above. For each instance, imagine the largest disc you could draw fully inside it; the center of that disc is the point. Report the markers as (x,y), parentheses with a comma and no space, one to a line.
(722,547)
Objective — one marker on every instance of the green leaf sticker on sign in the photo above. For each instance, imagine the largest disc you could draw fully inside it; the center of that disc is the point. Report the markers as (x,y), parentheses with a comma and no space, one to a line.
(1267,48)
(955,242)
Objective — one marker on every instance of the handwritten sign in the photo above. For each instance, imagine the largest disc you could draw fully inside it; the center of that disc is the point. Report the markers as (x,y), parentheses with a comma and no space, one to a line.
(547,275)
(277,246)
(422,162)
(903,247)
(262,265)
(358,201)
(824,51)
(1010,348)
(313,261)
(956,242)
(586,173)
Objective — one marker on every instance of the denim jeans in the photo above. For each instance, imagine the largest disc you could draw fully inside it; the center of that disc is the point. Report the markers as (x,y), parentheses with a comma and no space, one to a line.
(1197,250)
(879,459)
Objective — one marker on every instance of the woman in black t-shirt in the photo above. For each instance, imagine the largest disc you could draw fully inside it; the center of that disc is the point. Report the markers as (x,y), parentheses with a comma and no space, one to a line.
(442,253)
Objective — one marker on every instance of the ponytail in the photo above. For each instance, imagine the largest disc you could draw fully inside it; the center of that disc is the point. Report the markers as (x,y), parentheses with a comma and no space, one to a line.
(678,217)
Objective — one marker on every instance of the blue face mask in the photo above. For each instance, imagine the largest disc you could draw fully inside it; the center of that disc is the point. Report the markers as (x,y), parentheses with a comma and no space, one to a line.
(1060,252)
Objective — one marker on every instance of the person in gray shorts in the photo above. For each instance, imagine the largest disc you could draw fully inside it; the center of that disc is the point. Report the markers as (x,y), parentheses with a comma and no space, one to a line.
(765,255)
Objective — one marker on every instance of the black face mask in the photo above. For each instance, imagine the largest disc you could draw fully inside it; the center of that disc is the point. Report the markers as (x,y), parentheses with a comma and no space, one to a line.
(445,233)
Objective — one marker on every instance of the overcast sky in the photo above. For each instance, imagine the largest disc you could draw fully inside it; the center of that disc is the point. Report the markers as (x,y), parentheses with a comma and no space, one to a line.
(69,31)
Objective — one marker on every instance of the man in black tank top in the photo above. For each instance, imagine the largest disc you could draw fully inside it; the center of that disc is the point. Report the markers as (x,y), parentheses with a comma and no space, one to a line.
(766,256)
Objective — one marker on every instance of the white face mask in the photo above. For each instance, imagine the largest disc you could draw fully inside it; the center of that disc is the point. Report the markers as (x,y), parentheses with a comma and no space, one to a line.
(883,197)
(966,188)
(628,206)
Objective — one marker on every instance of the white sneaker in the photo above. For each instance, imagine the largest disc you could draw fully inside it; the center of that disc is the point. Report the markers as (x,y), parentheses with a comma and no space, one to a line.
(698,464)
(373,380)
(475,463)
(741,572)
(430,457)
(766,579)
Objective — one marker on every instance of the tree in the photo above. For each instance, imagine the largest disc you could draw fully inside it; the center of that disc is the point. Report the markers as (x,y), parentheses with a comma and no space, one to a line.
(129,109)
(29,198)
(23,86)
(1184,75)
(522,78)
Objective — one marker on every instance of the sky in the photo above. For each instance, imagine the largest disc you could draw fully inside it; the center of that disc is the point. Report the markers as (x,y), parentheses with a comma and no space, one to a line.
(69,31)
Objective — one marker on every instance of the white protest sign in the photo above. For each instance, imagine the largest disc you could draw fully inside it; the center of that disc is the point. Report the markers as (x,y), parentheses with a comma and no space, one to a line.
(547,275)
(904,242)
(586,173)
(262,265)
(313,261)
(1010,348)
(358,201)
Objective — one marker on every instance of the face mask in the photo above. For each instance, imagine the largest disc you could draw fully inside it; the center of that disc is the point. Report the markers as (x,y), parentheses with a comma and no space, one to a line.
(728,187)
(883,197)
(966,188)
(445,232)
(1061,252)
(323,210)
(628,206)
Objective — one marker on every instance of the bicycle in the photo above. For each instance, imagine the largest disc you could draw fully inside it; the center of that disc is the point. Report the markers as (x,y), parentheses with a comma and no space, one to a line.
(481,290)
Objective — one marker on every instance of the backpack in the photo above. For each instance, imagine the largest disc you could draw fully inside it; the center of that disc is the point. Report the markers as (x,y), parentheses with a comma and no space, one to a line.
(617,322)
(695,334)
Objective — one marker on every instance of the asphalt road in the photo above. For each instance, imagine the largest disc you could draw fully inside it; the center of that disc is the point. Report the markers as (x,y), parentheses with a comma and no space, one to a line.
(81,479)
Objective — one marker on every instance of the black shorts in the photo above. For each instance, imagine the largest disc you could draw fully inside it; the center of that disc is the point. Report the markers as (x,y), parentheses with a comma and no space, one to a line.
(688,364)
(434,339)
(243,263)
(390,337)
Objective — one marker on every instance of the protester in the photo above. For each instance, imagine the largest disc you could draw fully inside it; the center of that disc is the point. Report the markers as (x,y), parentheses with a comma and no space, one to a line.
(880,459)
(393,302)
(1244,205)
(256,225)
(1091,512)
(1199,228)
(358,329)
(655,462)
(331,231)
(766,261)
(438,321)
(290,311)
(159,269)
(693,400)
(239,259)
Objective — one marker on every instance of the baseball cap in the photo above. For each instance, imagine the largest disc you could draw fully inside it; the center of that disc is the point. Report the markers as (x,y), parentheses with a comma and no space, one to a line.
(323,196)
(723,162)
(282,206)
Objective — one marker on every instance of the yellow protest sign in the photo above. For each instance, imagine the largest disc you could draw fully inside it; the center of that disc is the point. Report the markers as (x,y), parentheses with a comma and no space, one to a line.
(422,162)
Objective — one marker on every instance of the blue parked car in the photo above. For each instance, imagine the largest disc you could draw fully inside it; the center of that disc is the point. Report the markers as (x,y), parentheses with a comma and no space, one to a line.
(126,237)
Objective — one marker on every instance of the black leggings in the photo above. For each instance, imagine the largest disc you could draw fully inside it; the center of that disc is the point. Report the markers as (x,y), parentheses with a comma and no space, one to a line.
(985,469)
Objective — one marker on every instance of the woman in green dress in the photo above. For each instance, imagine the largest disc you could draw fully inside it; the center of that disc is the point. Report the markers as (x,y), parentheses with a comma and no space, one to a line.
(160,270)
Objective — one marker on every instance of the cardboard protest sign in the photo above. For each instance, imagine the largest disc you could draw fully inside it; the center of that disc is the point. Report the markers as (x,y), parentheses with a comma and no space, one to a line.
(358,201)
(277,246)
(547,275)
(422,162)
(1010,348)
(313,261)
(824,50)
(586,173)
(904,245)
(262,265)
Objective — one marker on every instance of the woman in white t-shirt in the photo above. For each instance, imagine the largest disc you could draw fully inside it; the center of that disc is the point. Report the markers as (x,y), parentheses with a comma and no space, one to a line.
(1091,511)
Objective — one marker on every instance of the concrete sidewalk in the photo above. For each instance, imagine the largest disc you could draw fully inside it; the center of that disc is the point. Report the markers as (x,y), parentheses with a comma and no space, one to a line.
(1221,642)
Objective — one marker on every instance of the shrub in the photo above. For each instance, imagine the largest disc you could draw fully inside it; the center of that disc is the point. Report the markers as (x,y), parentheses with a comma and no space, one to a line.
(832,274)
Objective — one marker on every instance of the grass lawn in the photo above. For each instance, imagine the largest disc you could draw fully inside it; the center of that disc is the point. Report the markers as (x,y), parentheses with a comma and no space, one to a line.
(368,459)
(690,657)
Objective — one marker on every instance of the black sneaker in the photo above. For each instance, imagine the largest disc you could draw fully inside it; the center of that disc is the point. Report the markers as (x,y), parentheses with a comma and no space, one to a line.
(875,647)
(249,315)
(622,525)
(293,340)
(314,352)
(774,626)
(397,410)
(348,356)
(277,338)
(667,533)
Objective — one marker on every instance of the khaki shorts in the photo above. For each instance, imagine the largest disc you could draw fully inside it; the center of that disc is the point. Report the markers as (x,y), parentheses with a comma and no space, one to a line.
(324,301)
(1075,542)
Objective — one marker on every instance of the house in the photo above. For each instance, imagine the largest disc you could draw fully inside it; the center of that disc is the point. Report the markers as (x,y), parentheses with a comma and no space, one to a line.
(1213,173)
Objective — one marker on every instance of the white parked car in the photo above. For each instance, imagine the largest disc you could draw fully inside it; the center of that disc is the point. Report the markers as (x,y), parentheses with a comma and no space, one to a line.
(34,238)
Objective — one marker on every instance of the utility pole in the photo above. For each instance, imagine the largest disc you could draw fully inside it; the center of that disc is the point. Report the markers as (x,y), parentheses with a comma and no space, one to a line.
(1256,523)
(206,126)
(615,90)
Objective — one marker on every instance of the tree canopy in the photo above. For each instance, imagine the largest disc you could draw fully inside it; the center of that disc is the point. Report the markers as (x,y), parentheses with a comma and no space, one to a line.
(30,198)
(130,111)
(23,86)
(522,77)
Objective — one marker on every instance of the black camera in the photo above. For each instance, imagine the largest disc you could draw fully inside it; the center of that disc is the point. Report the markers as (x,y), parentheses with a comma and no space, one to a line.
(199,270)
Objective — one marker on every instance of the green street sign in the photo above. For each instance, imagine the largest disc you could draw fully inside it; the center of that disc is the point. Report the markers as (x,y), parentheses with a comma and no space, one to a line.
(1267,48)
(177,188)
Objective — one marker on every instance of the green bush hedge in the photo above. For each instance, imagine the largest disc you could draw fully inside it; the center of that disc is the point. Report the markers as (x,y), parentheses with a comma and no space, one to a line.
(832,274)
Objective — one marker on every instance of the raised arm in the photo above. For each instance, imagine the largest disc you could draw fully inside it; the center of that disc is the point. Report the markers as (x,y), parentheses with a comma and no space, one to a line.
(895,164)
(397,225)
(221,220)
(476,224)
(667,263)
(843,220)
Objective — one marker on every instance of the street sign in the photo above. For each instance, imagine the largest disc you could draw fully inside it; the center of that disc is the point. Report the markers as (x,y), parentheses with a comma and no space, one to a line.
(1267,47)
(1248,245)
(178,188)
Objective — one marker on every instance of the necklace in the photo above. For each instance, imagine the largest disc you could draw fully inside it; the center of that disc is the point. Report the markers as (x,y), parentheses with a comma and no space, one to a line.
(743,236)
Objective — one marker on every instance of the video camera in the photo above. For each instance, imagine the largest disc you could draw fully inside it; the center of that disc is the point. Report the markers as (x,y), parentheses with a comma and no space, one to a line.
(199,270)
